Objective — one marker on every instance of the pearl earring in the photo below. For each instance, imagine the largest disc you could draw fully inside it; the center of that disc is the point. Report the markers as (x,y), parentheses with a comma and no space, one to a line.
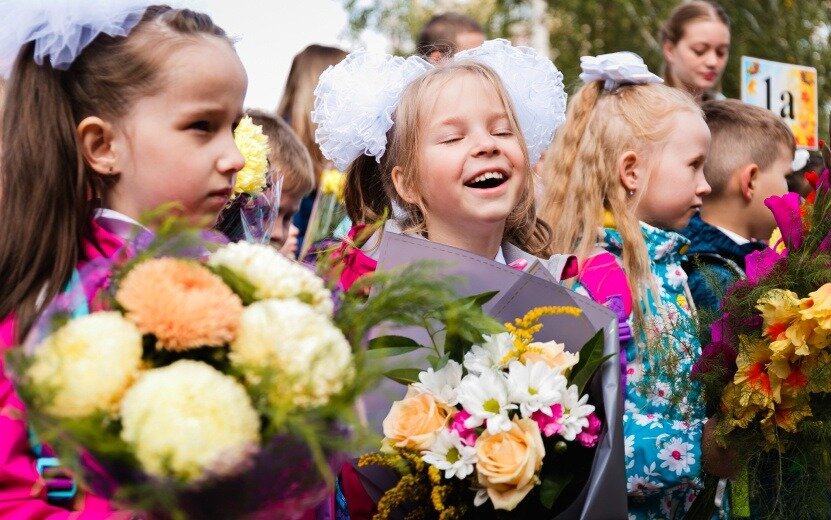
(631,193)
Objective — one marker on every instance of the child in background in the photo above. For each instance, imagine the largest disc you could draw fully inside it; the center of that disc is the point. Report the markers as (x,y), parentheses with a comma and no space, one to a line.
(625,173)
(291,160)
(446,34)
(296,108)
(94,134)
(750,160)
(454,167)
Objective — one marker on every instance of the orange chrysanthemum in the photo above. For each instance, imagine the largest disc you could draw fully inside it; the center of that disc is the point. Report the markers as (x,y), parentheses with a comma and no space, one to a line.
(180,302)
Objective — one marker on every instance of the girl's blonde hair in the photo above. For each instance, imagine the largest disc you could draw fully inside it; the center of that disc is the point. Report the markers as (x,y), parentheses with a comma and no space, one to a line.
(47,191)
(298,96)
(369,188)
(581,170)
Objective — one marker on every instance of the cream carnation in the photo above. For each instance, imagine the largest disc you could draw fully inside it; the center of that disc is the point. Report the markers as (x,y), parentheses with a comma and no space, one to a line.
(88,363)
(188,420)
(307,355)
(273,275)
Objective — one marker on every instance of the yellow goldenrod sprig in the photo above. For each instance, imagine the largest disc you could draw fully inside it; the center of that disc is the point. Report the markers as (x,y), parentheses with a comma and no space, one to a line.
(524,329)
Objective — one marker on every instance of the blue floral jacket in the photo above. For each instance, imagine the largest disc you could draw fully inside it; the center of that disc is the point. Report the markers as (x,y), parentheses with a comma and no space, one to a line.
(664,410)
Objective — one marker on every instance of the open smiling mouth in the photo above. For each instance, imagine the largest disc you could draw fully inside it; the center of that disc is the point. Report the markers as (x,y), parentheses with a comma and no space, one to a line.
(487,180)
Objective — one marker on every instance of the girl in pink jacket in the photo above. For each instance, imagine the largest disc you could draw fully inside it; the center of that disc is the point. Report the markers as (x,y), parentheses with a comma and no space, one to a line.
(112,109)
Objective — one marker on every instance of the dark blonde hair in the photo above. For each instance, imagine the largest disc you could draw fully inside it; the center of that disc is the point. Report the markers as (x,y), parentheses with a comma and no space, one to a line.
(682,15)
(370,190)
(741,134)
(581,168)
(298,96)
(47,191)
(286,154)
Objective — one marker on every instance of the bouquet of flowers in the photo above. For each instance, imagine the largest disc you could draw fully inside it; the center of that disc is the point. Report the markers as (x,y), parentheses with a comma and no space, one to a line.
(252,210)
(215,370)
(489,426)
(767,368)
(328,212)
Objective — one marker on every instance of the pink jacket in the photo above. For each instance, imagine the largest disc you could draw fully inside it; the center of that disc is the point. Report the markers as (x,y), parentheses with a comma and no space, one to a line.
(22,489)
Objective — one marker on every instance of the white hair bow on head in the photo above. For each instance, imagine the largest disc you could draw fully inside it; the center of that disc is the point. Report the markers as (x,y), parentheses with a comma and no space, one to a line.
(62,28)
(355,99)
(616,69)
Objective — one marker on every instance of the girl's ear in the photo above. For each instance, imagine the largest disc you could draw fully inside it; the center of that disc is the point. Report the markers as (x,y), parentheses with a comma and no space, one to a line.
(669,51)
(401,188)
(96,138)
(629,167)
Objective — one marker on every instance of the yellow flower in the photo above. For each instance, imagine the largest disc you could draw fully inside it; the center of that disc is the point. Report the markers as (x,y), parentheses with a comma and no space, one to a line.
(332,182)
(818,306)
(188,420)
(776,243)
(253,145)
(89,363)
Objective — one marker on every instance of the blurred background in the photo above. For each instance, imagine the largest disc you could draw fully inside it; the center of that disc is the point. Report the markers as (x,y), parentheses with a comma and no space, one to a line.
(271,33)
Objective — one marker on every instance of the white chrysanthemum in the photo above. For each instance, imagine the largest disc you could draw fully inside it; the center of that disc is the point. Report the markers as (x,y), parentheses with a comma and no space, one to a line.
(534,386)
(485,398)
(492,353)
(308,356)
(575,413)
(273,275)
(451,455)
(443,384)
(88,363)
(188,420)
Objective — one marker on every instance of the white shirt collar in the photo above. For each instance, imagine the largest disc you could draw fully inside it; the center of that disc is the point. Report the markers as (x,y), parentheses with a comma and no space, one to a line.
(500,257)
(118,223)
(735,237)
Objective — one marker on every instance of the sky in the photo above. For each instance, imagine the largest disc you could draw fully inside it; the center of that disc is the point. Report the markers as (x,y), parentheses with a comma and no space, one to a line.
(270,32)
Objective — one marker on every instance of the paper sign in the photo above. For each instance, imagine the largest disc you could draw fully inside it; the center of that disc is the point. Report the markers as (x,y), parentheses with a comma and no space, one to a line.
(789,91)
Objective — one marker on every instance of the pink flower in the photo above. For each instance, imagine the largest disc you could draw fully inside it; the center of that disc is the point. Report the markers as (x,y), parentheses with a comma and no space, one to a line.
(588,437)
(468,435)
(549,424)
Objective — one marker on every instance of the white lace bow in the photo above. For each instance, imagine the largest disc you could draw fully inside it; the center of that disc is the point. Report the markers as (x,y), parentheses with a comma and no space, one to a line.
(355,99)
(616,69)
(62,28)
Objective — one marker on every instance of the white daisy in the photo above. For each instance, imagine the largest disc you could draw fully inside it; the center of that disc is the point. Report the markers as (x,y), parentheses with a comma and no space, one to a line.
(575,413)
(648,419)
(493,353)
(485,398)
(443,384)
(449,454)
(534,386)
(677,456)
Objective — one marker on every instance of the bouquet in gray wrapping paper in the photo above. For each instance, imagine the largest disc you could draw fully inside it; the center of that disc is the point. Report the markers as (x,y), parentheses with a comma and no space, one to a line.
(520,423)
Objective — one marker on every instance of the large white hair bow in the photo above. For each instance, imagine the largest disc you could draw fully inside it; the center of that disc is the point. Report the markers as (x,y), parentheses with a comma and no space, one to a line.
(616,69)
(62,28)
(355,99)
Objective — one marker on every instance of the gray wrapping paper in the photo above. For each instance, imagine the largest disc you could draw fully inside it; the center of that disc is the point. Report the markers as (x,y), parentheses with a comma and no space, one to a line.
(603,496)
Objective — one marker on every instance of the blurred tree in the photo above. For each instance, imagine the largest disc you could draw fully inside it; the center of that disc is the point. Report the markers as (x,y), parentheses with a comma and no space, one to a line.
(792,31)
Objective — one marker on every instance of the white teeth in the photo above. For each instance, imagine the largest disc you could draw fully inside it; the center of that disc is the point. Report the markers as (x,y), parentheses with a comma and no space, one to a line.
(488,175)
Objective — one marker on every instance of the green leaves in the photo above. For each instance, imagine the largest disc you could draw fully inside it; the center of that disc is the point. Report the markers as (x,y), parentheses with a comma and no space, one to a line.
(243,288)
(591,357)
(391,345)
(552,486)
(405,376)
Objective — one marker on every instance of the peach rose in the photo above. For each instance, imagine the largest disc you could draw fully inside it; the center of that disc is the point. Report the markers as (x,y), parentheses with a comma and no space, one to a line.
(553,354)
(509,462)
(413,421)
